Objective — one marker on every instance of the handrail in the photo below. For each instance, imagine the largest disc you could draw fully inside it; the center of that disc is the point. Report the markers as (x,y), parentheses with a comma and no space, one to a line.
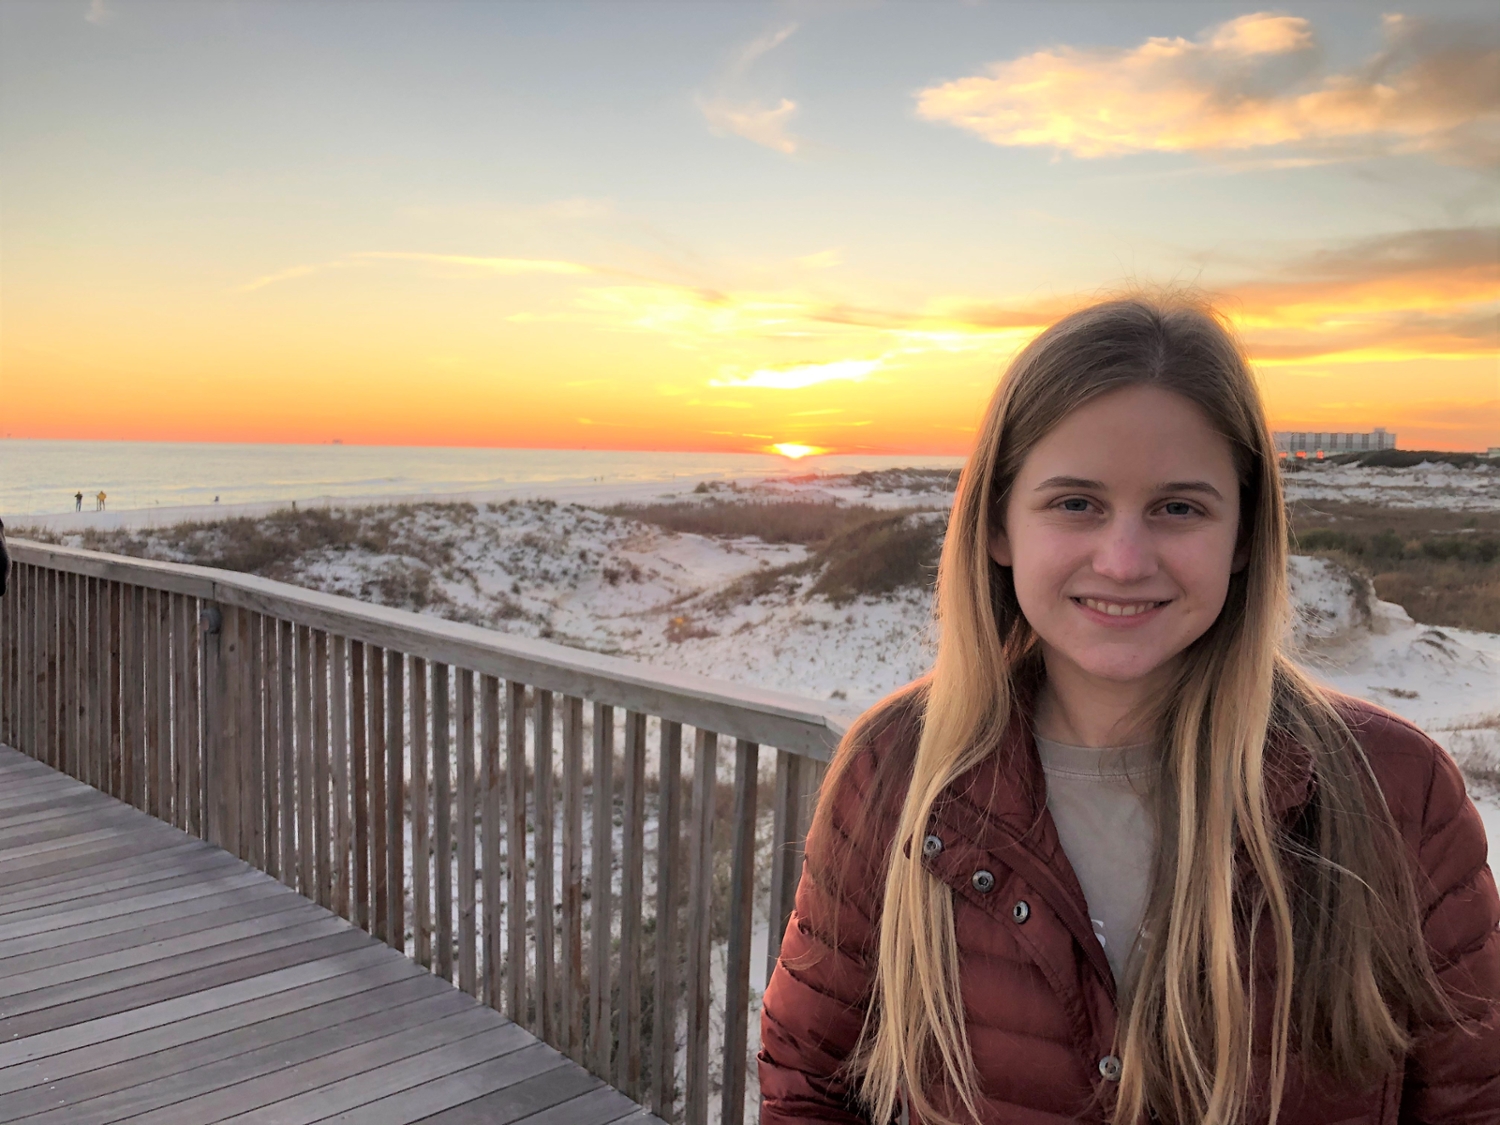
(481,802)
(771,718)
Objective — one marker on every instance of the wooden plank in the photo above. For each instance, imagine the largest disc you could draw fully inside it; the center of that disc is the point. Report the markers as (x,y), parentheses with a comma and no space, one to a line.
(277,1022)
(379,914)
(192,720)
(269,808)
(489,834)
(786,851)
(181,904)
(571,985)
(544,814)
(322,772)
(601,1045)
(164,706)
(48,667)
(286,729)
(343,825)
(307,785)
(515,853)
(360,795)
(442,800)
(253,796)
(183,743)
(699,910)
(135,934)
(664,988)
(213,1093)
(237,736)
(150,690)
(421,839)
(93,1009)
(265,1019)
(95,848)
(26,923)
(741,906)
(130,698)
(601,1106)
(507,1103)
(158,1013)
(534,1066)
(468,978)
(352,1077)
(67,985)
(97,881)
(93,871)
(116,693)
(395,802)
(632,889)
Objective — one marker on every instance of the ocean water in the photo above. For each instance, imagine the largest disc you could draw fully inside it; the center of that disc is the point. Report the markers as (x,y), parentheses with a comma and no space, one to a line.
(42,477)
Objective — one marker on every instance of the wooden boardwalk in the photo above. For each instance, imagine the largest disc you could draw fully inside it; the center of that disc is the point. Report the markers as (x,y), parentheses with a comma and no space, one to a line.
(148,976)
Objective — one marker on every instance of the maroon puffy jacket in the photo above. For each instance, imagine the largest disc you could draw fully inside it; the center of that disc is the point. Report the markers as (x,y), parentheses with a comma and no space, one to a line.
(1038,994)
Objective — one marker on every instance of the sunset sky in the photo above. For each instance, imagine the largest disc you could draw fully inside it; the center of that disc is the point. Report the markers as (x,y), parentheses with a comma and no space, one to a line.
(726,226)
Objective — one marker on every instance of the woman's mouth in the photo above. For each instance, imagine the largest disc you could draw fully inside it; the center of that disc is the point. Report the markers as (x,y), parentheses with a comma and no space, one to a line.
(1118,609)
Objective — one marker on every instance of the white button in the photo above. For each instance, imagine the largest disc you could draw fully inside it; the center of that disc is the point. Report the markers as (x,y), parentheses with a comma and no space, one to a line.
(931,846)
(1109,1066)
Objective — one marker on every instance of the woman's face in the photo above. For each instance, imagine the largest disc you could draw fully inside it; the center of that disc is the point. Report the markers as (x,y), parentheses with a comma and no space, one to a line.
(1121,532)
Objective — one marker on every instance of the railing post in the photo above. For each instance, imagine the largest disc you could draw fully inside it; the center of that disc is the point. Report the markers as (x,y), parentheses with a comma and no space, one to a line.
(211,633)
(786,851)
(668,892)
(699,927)
(741,901)
(601,1042)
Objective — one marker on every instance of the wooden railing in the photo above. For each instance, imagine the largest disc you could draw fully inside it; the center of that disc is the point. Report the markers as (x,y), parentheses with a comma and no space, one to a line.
(430,782)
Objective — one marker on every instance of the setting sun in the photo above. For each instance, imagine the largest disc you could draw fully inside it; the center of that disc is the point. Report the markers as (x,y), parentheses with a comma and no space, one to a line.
(796,452)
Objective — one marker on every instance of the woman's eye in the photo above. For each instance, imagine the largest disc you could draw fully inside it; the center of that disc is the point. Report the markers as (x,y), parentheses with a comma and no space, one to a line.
(1075,504)
(1177,508)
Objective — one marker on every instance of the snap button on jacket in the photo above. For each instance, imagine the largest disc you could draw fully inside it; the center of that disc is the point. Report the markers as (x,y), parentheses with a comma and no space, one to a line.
(1039,998)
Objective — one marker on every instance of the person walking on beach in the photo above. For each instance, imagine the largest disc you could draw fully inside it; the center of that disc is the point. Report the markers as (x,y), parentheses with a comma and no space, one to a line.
(1116,859)
(78,501)
(99,501)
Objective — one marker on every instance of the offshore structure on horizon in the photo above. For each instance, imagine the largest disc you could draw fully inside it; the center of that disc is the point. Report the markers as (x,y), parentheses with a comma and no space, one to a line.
(1290,441)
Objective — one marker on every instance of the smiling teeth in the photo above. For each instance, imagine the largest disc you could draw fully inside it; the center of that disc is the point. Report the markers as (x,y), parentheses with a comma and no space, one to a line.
(1116,609)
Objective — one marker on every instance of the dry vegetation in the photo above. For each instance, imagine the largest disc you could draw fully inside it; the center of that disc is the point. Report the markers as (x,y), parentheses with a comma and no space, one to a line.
(856,550)
(1442,567)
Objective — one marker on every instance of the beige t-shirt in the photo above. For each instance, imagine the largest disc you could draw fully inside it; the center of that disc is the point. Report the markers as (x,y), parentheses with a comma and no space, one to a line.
(1097,799)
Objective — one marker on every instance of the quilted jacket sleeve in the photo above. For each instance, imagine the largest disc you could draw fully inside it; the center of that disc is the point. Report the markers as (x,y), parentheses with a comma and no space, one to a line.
(1453,1071)
(815,1003)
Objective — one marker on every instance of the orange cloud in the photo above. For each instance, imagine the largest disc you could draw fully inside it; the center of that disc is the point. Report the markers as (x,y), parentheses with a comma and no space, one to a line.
(1249,83)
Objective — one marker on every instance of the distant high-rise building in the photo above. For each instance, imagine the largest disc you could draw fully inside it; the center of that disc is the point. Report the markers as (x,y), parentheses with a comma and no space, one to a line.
(1288,441)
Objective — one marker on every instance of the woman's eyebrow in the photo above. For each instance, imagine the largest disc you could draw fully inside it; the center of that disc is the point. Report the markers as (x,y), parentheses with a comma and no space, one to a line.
(1190,486)
(1170,486)
(1069,482)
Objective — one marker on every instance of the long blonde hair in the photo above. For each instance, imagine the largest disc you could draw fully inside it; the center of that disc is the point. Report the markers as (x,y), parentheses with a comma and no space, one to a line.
(1333,889)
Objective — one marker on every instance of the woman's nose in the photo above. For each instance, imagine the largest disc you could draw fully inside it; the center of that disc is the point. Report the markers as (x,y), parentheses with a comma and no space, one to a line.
(1125,553)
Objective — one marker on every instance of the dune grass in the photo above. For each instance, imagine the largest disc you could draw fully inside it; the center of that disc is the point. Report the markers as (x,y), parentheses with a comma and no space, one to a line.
(1441,566)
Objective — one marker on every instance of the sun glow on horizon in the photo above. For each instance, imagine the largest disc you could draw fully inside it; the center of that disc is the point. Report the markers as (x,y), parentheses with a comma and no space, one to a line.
(796,451)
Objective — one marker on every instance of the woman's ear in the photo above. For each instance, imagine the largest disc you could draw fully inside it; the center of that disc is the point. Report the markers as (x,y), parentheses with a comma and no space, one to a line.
(1000,546)
(1241,555)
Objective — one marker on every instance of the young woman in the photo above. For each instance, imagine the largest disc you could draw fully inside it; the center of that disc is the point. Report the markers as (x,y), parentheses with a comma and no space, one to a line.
(1116,859)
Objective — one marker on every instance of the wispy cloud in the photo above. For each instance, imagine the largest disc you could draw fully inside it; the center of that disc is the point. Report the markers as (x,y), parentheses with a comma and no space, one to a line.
(98,12)
(765,125)
(503,266)
(801,376)
(1418,293)
(1252,82)
(752,52)
(459,262)
(730,111)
